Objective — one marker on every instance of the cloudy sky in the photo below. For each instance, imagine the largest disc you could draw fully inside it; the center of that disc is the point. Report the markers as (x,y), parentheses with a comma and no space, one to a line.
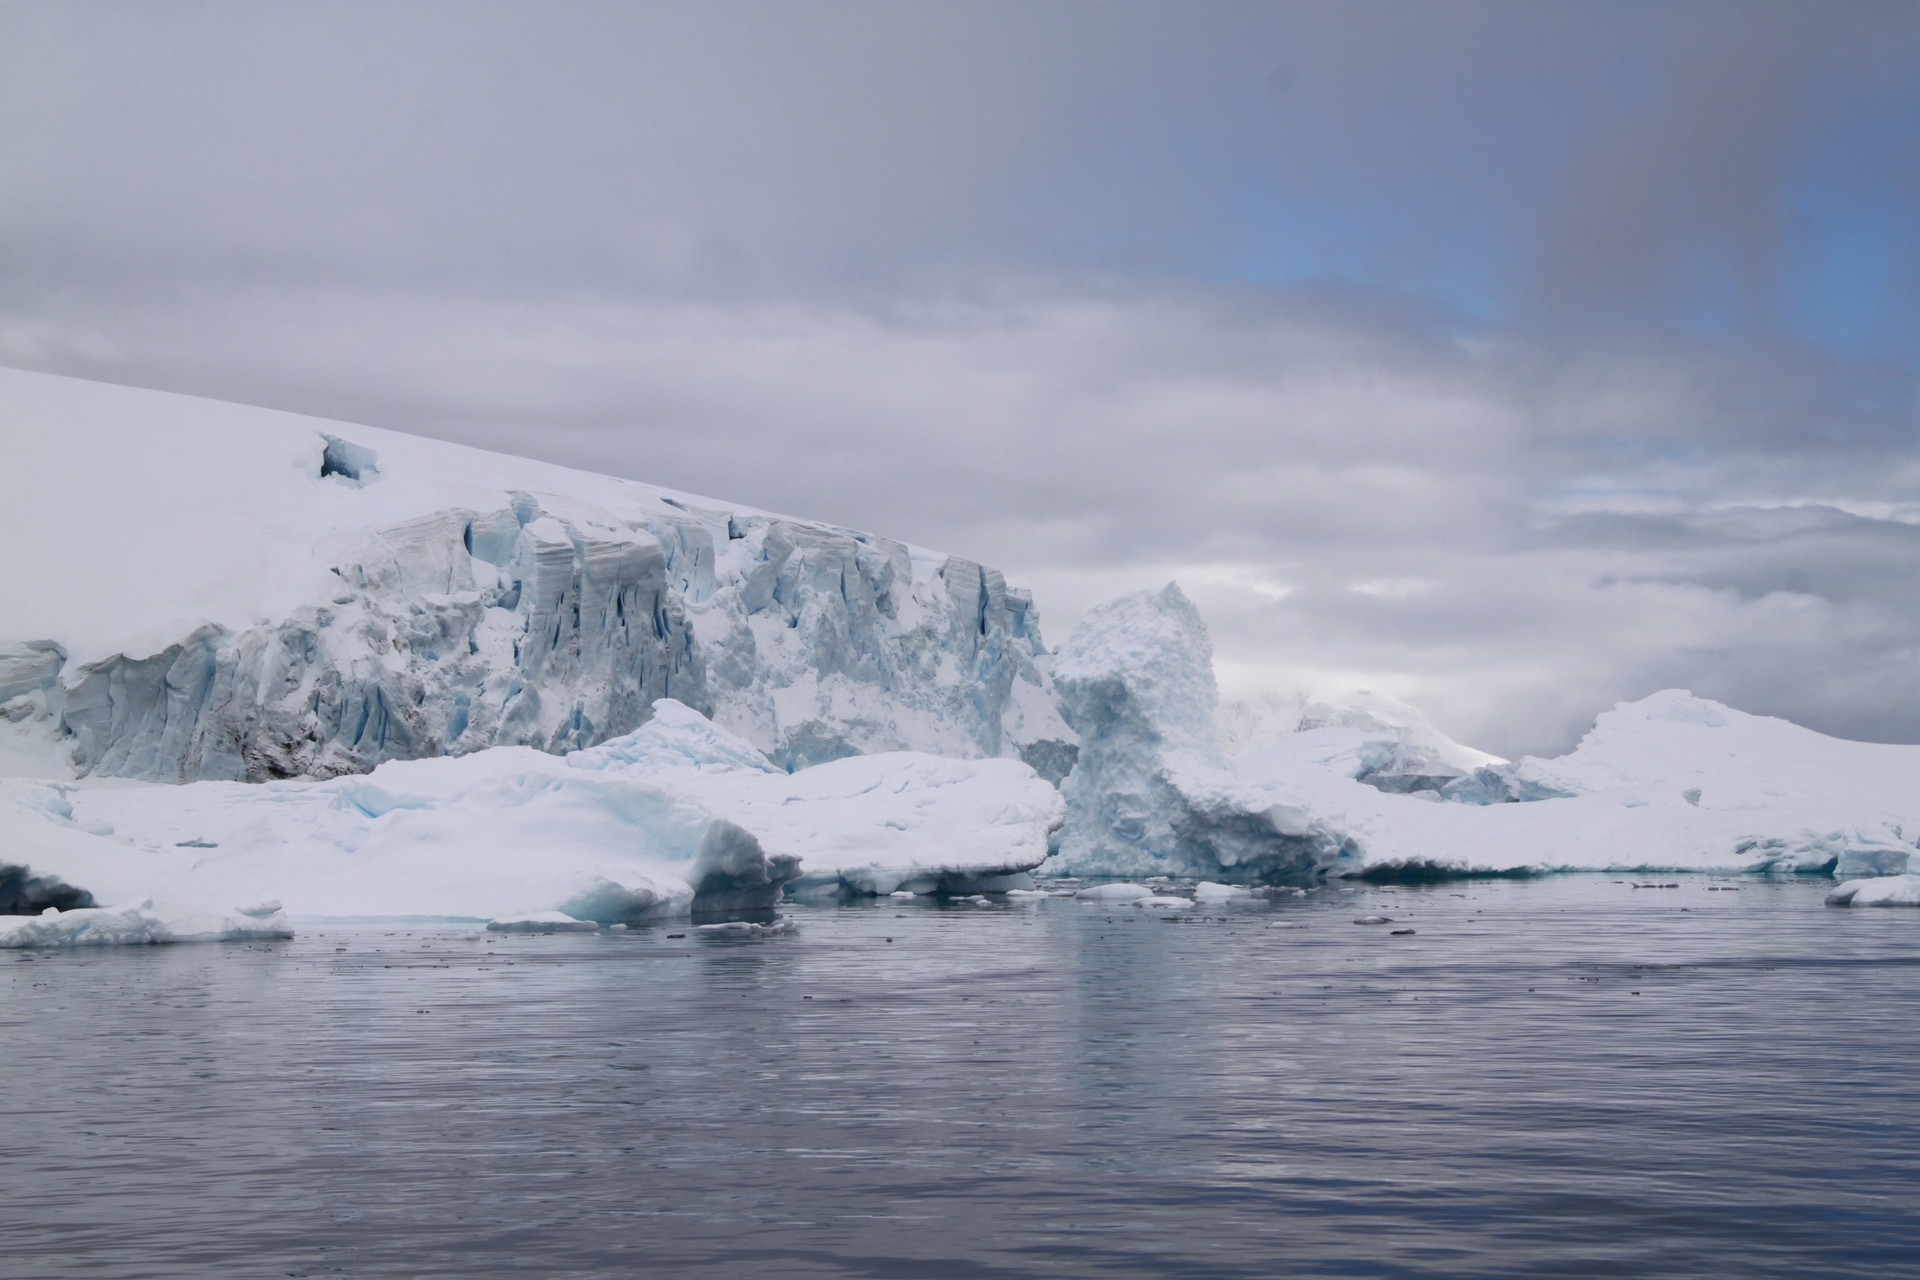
(1514,358)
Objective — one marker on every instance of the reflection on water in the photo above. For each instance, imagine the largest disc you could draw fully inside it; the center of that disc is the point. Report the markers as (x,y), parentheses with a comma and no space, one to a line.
(1569,1076)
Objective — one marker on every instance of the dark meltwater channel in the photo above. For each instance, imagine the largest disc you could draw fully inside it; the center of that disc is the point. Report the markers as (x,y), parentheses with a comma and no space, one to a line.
(1567,1077)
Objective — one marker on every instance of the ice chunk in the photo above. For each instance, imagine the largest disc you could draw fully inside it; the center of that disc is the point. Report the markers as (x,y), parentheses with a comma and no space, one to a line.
(749,929)
(142,924)
(542,922)
(1153,791)
(1114,893)
(1878,891)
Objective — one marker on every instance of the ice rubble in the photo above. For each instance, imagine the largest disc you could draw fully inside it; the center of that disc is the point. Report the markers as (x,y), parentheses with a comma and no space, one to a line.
(1671,782)
(677,817)
(243,594)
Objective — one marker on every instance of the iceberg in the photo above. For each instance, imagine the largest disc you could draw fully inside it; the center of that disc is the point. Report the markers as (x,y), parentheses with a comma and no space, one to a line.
(1368,789)
(245,595)
(1153,791)
(676,818)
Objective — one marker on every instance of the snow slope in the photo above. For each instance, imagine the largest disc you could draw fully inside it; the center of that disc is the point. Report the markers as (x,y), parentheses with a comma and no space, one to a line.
(201,590)
(1668,783)
(1671,782)
(677,817)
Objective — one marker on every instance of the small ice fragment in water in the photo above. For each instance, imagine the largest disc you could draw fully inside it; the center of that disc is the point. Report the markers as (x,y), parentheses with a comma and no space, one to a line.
(1115,893)
(1374,920)
(542,922)
(748,929)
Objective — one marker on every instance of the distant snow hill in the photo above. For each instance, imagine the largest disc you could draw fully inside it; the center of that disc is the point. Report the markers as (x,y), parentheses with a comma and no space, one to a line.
(202,590)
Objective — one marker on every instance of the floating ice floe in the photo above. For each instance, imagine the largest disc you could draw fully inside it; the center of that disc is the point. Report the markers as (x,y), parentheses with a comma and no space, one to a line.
(542,922)
(1669,783)
(1114,893)
(678,817)
(749,928)
(145,923)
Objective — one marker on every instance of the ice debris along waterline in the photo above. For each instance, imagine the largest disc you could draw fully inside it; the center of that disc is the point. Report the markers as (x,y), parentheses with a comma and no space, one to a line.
(243,594)
(1668,783)
(678,817)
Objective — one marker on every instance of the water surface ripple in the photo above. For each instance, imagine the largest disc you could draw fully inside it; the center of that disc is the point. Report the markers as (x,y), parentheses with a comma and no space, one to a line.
(1568,1077)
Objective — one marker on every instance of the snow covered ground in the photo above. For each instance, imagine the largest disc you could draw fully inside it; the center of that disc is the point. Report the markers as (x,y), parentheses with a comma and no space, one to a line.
(1671,782)
(677,817)
(200,590)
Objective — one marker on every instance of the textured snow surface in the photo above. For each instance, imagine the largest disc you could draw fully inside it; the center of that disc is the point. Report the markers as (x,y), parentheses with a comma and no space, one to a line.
(141,924)
(1671,782)
(677,817)
(199,590)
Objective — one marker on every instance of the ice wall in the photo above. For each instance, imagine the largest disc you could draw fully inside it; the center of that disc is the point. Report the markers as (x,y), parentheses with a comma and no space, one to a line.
(245,596)
(1152,791)
(463,630)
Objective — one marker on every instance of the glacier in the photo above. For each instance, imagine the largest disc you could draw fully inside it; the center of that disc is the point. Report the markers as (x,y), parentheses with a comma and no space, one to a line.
(678,818)
(221,592)
(1367,788)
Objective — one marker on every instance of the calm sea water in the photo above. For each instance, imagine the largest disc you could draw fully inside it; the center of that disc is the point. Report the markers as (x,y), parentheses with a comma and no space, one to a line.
(1566,1077)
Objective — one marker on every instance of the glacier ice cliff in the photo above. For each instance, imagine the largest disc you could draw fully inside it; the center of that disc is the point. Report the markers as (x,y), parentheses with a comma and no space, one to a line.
(342,597)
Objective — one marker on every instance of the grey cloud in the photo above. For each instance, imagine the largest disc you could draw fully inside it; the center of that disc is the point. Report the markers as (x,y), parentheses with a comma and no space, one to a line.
(986,276)
(1348,501)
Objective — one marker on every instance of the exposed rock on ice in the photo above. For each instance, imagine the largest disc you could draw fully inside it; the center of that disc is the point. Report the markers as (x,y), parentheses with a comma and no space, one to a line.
(676,818)
(343,596)
(1878,891)
(138,925)
(1671,782)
